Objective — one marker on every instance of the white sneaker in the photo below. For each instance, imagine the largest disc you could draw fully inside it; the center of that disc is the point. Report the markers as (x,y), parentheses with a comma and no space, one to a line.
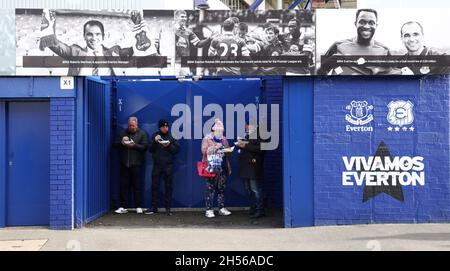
(121,211)
(224,212)
(139,210)
(209,213)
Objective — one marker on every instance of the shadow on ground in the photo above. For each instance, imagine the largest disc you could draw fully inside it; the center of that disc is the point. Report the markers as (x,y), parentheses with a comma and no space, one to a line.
(190,219)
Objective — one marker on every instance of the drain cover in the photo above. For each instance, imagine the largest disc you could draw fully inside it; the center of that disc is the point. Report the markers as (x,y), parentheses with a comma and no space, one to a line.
(19,245)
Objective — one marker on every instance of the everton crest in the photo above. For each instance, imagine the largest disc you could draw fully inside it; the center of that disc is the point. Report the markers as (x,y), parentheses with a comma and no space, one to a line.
(182,42)
(142,41)
(359,113)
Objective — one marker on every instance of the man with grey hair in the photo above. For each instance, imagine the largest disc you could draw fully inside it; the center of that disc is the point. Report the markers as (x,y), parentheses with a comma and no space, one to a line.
(132,144)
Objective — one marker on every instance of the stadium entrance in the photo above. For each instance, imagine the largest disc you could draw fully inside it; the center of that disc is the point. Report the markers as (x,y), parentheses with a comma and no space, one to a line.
(191,103)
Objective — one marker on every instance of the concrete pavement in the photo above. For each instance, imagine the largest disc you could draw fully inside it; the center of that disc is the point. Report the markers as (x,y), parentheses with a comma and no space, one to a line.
(363,237)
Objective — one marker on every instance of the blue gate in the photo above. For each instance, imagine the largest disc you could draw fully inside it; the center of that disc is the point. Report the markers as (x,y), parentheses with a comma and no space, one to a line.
(153,99)
(97,138)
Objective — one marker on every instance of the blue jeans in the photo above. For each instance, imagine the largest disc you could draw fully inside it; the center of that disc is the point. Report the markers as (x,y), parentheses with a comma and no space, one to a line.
(254,190)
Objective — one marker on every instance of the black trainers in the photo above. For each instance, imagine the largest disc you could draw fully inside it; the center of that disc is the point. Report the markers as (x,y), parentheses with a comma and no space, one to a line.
(252,211)
(168,212)
(258,214)
(151,211)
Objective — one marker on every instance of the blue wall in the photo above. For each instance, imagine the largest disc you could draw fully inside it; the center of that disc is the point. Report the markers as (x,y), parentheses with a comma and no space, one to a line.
(62,131)
(338,204)
(273,160)
(314,111)
(33,87)
(298,193)
(62,166)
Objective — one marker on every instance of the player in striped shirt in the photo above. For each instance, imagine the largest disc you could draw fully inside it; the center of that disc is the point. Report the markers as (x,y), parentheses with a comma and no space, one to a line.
(227,46)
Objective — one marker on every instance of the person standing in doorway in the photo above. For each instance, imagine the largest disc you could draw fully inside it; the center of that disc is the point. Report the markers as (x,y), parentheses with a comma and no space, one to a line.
(163,147)
(212,148)
(132,143)
(251,164)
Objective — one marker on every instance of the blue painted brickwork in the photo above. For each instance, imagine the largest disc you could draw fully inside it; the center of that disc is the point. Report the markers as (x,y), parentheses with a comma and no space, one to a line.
(62,132)
(273,177)
(338,204)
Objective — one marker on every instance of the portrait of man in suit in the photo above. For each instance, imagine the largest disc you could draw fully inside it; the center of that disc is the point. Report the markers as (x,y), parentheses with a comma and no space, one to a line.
(94,48)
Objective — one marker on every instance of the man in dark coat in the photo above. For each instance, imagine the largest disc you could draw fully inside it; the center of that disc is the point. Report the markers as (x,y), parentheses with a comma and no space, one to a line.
(163,147)
(251,163)
(132,143)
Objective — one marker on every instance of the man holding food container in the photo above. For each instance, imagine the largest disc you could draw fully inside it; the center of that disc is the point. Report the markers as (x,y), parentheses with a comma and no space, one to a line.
(132,144)
(163,148)
(251,164)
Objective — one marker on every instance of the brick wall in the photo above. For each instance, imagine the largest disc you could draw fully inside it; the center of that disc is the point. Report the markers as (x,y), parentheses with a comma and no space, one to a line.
(273,177)
(338,204)
(62,131)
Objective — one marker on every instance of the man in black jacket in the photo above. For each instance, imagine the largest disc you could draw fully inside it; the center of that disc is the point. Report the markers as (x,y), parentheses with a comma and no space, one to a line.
(251,163)
(132,143)
(163,147)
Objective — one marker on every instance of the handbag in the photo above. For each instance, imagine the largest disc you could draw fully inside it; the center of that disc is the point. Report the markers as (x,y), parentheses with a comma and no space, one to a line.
(201,169)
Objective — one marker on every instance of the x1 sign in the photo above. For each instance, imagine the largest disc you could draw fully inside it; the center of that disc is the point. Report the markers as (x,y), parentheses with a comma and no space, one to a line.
(67,82)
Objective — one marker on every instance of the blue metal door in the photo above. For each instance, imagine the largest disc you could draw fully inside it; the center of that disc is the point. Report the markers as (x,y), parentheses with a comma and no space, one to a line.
(28,166)
(151,100)
(97,145)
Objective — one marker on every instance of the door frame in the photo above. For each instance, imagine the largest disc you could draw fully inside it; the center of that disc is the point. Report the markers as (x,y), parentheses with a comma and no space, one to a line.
(3,149)
(81,150)
(188,87)
(298,166)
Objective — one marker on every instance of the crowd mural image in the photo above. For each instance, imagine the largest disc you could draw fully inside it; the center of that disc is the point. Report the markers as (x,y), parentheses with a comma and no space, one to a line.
(239,42)
(258,37)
